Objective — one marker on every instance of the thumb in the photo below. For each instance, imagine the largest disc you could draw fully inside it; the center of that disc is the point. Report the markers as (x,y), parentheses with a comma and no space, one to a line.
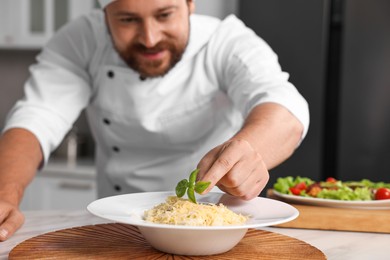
(13,221)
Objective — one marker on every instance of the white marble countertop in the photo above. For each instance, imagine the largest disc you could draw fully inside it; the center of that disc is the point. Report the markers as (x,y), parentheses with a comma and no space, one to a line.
(335,245)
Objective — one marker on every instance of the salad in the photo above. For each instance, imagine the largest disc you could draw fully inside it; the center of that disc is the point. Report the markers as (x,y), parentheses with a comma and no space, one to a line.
(333,189)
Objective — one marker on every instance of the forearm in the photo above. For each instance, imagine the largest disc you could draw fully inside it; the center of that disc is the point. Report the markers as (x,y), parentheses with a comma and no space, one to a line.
(20,157)
(272,131)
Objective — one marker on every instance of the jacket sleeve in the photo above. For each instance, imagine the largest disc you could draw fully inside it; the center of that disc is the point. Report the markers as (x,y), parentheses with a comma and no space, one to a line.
(58,88)
(249,71)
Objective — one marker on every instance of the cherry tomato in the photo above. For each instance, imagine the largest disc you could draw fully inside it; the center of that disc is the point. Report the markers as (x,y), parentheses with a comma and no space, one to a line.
(331,180)
(295,191)
(382,194)
(301,186)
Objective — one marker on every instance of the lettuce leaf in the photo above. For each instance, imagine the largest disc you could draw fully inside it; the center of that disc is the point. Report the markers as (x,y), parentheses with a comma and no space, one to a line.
(282,185)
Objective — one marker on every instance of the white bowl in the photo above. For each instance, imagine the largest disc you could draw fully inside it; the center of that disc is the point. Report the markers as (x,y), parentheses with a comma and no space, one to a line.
(192,240)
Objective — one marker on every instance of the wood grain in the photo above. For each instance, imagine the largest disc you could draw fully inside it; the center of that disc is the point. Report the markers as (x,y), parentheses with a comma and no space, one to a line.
(340,219)
(120,241)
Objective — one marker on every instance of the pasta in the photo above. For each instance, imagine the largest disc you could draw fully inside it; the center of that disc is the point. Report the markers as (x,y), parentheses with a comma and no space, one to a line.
(179,211)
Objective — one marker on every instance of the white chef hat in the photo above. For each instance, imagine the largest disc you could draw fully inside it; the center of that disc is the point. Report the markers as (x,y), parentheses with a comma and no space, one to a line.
(104,3)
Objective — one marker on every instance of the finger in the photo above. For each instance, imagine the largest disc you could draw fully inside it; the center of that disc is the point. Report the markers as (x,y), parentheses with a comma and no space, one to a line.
(249,189)
(207,161)
(10,224)
(243,188)
(240,172)
(254,190)
(227,158)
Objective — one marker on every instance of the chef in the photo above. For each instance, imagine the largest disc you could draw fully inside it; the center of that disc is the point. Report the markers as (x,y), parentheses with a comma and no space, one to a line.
(165,91)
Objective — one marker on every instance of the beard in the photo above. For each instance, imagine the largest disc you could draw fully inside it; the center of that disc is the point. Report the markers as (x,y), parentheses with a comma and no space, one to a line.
(132,56)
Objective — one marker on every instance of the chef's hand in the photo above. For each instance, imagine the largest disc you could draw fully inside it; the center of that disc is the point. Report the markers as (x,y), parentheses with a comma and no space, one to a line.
(11,219)
(236,168)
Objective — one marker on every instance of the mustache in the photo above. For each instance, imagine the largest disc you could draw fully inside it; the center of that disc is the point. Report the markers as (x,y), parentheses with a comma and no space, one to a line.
(157,48)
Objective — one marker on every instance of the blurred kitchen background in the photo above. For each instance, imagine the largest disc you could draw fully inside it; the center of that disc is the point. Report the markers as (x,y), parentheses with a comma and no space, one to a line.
(336,51)
(338,55)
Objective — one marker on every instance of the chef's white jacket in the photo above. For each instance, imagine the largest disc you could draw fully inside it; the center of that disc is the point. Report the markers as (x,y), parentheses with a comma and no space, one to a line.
(150,134)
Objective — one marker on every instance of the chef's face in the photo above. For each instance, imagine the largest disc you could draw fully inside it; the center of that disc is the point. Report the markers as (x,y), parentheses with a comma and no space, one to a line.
(150,35)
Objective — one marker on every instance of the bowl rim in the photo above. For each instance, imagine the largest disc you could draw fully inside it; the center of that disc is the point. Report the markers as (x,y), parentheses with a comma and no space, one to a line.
(146,224)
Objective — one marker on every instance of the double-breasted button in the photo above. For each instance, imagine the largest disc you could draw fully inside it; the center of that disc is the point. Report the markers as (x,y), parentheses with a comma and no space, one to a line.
(116,149)
(106,121)
(110,74)
(117,188)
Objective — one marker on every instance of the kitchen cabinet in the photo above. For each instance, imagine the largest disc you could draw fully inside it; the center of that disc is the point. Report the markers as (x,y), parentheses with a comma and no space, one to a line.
(29,24)
(61,186)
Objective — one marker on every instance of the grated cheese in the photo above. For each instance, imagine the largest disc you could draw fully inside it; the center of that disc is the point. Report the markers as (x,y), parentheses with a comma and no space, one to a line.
(179,211)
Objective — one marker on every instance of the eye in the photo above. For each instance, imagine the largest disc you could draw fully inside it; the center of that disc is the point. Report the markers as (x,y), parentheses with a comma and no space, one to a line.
(129,19)
(165,15)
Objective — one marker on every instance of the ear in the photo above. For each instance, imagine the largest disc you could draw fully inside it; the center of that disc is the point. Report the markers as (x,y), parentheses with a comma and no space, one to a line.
(191,6)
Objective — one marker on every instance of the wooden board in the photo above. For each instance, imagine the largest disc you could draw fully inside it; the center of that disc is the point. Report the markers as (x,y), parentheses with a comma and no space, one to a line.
(120,241)
(341,219)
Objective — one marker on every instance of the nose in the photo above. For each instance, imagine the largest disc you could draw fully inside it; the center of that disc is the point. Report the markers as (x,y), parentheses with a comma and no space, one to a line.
(150,33)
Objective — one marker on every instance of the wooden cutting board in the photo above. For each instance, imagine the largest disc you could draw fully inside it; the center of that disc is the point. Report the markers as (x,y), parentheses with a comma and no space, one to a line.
(342,219)
(120,241)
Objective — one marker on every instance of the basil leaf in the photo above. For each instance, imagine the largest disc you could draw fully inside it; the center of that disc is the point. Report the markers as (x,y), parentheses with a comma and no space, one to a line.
(201,186)
(181,188)
(191,195)
(191,186)
(192,178)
